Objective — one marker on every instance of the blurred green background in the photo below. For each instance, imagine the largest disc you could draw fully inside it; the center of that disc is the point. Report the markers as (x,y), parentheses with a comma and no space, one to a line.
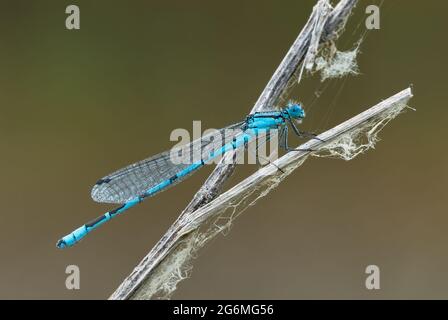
(76,105)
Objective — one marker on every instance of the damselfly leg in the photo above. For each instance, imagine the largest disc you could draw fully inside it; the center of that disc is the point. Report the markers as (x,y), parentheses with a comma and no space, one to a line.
(258,156)
(304,134)
(285,141)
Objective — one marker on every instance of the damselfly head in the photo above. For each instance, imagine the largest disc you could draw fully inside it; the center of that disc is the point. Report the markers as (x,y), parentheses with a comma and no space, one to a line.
(295,111)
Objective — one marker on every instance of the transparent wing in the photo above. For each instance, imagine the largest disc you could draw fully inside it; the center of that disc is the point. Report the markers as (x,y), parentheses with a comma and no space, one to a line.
(133,180)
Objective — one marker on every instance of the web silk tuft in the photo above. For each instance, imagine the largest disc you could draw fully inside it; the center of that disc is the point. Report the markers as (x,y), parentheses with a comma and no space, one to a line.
(342,63)
(359,140)
(325,57)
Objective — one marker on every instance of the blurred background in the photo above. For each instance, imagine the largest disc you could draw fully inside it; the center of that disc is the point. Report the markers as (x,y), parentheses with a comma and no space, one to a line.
(76,105)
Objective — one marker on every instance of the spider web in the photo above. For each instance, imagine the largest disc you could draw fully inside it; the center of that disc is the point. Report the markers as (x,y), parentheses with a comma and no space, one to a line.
(330,63)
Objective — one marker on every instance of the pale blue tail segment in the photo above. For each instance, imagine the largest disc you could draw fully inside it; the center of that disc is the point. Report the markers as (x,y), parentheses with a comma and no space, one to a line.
(74,237)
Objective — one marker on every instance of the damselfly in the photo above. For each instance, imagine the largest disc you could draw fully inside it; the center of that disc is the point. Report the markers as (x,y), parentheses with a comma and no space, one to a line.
(134,183)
